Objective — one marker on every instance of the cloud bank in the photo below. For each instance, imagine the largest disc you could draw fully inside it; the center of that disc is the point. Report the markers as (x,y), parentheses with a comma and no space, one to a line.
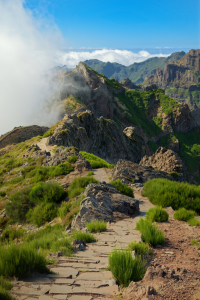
(124,57)
(27,50)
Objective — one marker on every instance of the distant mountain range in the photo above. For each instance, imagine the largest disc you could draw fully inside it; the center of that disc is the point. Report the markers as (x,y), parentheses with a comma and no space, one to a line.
(137,72)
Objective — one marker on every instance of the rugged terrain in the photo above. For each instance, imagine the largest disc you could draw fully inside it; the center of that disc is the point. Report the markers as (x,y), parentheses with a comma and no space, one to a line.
(137,71)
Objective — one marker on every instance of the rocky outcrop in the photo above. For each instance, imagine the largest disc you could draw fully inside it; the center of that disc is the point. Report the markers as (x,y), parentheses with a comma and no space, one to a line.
(102,137)
(166,161)
(104,202)
(129,172)
(127,83)
(21,134)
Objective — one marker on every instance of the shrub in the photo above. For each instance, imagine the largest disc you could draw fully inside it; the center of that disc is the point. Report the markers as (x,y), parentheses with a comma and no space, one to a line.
(21,261)
(64,209)
(12,234)
(171,193)
(83,236)
(184,214)
(48,133)
(195,242)
(47,192)
(42,213)
(95,161)
(19,205)
(140,248)
(157,214)
(78,185)
(124,268)
(72,159)
(2,194)
(150,233)
(123,188)
(194,222)
(97,226)
(90,173)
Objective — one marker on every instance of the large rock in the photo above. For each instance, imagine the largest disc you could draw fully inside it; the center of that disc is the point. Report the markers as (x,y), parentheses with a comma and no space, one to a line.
(129,172)
(166,161)
(102,137)
(104,202)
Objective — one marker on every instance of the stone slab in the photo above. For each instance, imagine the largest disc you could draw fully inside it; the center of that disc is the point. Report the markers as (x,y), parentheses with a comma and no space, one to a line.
(28,291)
(60,289)
(44,297)
(90,283)
(64,281)
(91,276)
(78,297)
(65,272)
(38,280)
(60,297)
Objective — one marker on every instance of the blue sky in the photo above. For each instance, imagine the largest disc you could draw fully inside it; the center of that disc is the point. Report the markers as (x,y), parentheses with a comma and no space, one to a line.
(124,24)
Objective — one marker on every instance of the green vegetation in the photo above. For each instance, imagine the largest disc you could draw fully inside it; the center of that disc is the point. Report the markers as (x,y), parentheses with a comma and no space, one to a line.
(184,214)
(78,185)
(165,193)
(11,234)
(123,188)
(195,242)
(42,213)
(140,248)
(43,194)
(5,286)
(72,159)
(97,226)
(150,233)
(124,268)
(84,236)
(194,222)
(95,161)
(157,214)
(90,173)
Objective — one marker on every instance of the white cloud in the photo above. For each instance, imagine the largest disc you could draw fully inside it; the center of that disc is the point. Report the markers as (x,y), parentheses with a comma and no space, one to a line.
(124,57)
(27,50)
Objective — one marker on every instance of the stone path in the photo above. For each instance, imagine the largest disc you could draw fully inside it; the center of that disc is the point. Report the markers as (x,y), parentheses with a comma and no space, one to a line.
(42,145)
(102,174)
(84,277)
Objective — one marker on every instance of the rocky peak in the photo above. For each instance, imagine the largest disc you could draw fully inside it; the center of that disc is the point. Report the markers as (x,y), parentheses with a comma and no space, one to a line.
(127,83)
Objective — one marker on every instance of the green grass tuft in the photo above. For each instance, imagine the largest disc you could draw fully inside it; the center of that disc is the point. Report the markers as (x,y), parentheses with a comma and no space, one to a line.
(97,226)
(140,248)
(122,187)
(150,233)
(194,222)
(124,268)
(95,161)
(79,184)
(183,214)
(83,236)
(157,214)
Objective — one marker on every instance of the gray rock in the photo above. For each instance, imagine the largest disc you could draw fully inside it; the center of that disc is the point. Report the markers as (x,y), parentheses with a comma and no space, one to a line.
(104,202)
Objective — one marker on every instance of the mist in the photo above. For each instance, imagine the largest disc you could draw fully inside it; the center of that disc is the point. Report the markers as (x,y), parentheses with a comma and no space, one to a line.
(28,45)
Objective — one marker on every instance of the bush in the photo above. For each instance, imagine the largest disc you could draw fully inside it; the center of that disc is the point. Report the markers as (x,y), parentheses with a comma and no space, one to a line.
(42,213)
(184,214)
(165,193)
(21,261)
(97,226)
(123,188)
(140,248)
(72,159)
(2,194)
(48,133)
(83,236)
(194,222)
(5,286)
(90,173)
(64,209)
(124,268)
(150,233)
(47,192)
(157,214)
(19,205)
(95,161)
(12,234)
(78,185)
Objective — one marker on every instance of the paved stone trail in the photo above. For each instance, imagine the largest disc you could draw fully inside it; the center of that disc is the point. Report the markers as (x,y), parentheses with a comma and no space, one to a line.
(42,145)
(102,174)
(84,276)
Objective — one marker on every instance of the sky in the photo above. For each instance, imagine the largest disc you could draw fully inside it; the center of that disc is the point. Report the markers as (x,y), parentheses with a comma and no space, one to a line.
(37,35)
(124,24)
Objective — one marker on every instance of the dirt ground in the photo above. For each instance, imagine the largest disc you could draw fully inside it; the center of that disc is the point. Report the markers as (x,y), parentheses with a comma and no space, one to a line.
(175,268)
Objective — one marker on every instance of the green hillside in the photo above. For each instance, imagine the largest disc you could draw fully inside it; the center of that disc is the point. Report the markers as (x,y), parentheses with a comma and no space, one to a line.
(135,72)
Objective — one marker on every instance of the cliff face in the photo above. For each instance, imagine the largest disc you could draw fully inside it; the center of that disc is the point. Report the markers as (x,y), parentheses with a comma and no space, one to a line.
(181,79)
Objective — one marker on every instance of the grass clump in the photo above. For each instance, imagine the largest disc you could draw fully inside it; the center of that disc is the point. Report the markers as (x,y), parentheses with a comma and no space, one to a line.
(194,222)
(157,214)
(97,226)
(78,185)
(183,214)
(90,173)
(123,188)
(21,261)
(124,268)
(165,193)
(195,242)
(11,234)
(84,236)
(5,286)
(95,161)
(42,213)
(150,233)
(72,159)
(140,248)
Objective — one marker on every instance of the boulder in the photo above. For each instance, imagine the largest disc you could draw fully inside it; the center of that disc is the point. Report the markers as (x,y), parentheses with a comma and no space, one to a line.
(129,172)
(104,202)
